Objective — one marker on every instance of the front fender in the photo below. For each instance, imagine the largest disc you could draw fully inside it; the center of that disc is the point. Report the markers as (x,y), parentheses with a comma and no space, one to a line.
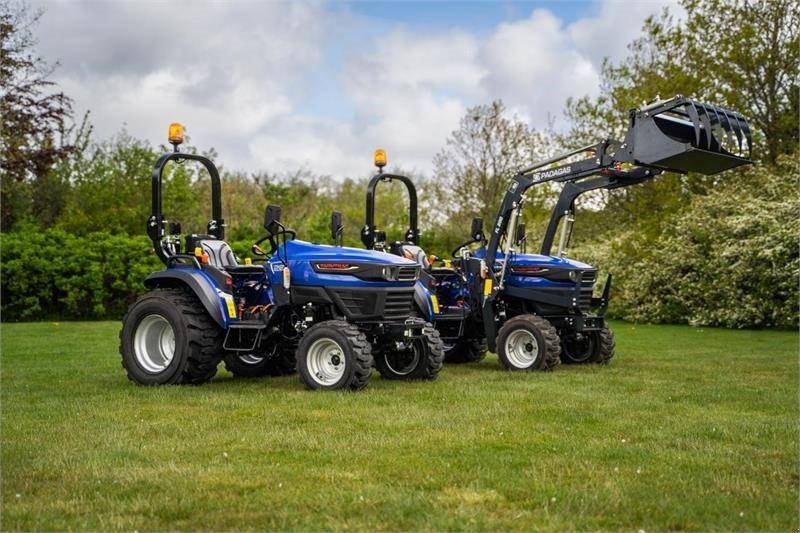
(422,297)
(198,284)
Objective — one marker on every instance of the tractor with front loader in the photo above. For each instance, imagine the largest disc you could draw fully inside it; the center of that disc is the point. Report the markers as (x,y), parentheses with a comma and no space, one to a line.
(536,310)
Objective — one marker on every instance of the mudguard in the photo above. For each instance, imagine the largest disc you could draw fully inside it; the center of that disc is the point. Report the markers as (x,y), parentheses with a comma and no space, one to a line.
(422,297)
(199,284)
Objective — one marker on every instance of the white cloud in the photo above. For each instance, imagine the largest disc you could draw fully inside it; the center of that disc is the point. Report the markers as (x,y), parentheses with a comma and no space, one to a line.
(533,65)
(241,75)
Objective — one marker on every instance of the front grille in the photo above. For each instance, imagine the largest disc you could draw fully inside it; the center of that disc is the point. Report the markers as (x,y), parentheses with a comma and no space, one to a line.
(398,305)
(585,299)
(407,273)
(588,276)
(373,304)
(357,302)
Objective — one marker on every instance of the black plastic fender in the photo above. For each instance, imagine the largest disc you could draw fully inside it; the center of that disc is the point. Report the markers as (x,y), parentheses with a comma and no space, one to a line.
(196,283)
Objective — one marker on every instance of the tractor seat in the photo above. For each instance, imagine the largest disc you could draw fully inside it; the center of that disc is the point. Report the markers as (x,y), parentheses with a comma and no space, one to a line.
(416,254)
(221,256)
(219,253)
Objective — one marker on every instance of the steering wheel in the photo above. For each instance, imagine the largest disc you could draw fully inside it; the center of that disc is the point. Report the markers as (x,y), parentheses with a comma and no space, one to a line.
(273,245)
(455,251)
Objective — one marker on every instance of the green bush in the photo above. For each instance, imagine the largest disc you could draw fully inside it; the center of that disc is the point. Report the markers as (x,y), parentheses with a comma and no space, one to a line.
(51,273)
(729,258)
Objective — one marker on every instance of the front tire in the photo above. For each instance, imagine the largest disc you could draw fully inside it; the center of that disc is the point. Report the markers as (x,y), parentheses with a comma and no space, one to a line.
(168,337)
(528,342)
(466,351)
(334,355)
(596,347)
(422,360)
(281,362)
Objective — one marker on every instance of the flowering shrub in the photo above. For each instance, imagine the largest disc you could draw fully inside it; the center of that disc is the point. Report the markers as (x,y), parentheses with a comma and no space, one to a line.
(730,258)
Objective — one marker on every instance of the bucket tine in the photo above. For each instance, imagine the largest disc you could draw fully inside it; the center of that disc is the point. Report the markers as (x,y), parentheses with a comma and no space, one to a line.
(691,110)
(746,129)
(737,129)
(728,126)
(706,124)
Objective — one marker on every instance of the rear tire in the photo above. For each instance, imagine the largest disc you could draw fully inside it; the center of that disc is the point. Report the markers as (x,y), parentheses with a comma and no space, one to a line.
(423,360)
(466,351)
(168,337)
(528,342)
(281,362)
(334,355)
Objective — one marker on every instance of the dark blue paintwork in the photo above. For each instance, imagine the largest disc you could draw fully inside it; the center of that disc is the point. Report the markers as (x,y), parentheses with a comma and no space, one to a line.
(301,253)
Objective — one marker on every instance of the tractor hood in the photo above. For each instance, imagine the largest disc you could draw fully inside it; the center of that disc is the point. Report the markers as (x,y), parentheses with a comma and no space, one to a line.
(339,266)
(306,251)
(536,260)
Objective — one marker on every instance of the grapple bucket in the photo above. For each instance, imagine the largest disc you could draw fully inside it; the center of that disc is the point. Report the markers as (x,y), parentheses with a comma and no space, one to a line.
(683,135)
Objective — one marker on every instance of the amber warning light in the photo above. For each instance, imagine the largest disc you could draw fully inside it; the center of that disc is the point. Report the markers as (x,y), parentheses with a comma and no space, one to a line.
(175,134)
(380,158)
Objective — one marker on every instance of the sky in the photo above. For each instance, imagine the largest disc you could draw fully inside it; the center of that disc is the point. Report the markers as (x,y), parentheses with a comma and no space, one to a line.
(277,87)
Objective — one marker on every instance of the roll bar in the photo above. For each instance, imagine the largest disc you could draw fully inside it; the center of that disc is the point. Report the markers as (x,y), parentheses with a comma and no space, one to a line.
(369,229)
(156,221)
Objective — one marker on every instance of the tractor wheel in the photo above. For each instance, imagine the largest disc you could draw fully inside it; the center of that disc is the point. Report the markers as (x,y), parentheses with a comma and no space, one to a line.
(168,337)
(606,343)
(595,347)
(250,365)
(528,342)
(466,351)
(334,355)
(422,360)
(574,351)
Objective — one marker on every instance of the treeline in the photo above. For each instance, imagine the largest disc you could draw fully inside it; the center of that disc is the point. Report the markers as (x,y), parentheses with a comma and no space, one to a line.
(718,250)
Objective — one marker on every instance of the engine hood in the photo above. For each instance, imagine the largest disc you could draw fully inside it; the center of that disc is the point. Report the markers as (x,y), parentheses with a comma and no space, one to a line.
(537,260)
(306,251)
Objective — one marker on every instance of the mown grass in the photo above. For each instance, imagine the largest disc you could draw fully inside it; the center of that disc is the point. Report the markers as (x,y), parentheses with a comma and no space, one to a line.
(687,429)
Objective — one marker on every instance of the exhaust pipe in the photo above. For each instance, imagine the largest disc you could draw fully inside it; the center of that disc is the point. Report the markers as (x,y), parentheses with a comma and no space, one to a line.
(683,135)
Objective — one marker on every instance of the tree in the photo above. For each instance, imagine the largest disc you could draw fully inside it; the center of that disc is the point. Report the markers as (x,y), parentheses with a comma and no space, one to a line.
(35,119)
(737,53)
(472,171)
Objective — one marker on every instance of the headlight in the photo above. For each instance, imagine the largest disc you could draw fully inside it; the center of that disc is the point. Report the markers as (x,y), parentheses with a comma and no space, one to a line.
(387,273)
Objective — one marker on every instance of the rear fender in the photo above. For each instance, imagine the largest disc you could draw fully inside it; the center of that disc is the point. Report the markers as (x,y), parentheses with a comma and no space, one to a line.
(214,300)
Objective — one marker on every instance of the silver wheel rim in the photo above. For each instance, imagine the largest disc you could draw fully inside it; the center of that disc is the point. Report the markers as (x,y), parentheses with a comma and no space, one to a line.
(522,349)
(154,343)
(325,361)
(250,359)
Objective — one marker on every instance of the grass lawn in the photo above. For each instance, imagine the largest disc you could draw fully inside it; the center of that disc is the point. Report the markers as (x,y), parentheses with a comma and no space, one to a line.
(686,429)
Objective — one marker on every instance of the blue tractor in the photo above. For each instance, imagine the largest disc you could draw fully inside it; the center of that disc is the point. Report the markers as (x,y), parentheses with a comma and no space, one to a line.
(331,312)
(442,293)
(537,310)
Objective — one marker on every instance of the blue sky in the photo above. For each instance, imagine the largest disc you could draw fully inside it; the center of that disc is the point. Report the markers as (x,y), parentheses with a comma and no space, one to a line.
(280,86)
